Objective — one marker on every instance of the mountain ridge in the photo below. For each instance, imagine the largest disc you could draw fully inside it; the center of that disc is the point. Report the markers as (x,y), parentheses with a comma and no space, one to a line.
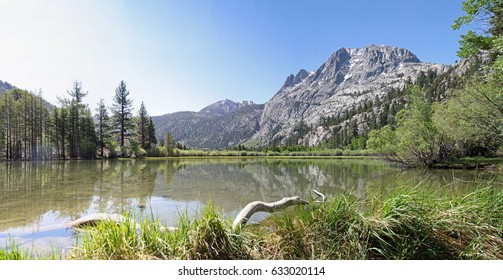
(224,123)
(349,78)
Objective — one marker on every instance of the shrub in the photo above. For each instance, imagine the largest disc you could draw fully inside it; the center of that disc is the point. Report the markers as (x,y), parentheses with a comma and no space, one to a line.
(88,149)
(157,151)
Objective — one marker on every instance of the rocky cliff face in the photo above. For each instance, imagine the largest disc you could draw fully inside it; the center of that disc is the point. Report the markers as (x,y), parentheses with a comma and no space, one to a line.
(222,124)
(224,107)
(5,86)
(347,78)
(351,78)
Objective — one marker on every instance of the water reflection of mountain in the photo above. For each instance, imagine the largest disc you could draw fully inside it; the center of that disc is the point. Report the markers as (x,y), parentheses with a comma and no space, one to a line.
(232,184)
(34,193)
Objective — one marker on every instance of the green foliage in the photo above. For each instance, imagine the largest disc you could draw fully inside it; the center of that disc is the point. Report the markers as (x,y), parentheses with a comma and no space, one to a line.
(102,127)
(88,149)
(470,43)
(157,151)
(24,120)
(151,139)
(142,127)
(384,141)
(14,253)
(417,140)
(412,223)
(358,143)
(18,252)
(209,236)
(473,118)
(122,112)
(169,143)
(114,149)
(498,63)
(485,12)
(351,127)
(134,147)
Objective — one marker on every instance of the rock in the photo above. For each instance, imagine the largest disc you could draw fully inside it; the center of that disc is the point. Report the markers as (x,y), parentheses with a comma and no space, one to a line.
(350,76)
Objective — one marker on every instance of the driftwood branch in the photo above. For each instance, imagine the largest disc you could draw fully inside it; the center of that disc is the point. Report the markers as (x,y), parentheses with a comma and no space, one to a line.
(322,196)
(260,206)
(240,220)
(93,219)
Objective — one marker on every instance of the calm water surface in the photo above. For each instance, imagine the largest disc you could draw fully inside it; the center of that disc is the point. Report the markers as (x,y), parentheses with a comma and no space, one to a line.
(38,198)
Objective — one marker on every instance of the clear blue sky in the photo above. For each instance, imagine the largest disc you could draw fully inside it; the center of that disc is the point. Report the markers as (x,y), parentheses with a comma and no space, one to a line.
(184,55)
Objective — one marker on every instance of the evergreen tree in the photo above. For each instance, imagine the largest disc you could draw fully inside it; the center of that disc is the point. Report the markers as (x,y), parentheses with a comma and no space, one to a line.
(2,131)
(142,127)
(122,112)
(87,147)
(77,93)
(77,114)
(22,125)
(169,143)
(63,123)
(152,140)
(102,126)
(74,135)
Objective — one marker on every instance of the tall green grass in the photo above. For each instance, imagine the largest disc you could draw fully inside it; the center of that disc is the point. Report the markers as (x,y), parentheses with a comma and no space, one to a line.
(409,224)
(14,251)
(207,237)
(406,223)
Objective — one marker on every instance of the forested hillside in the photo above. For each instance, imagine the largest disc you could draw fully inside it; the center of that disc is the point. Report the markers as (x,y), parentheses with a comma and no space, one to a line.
(469,120)
(32,129)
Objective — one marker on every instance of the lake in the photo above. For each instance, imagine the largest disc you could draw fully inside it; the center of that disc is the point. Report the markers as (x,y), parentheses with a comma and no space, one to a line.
(38,198)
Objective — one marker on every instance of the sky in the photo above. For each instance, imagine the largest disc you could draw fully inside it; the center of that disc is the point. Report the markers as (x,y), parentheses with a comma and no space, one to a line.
(184,55)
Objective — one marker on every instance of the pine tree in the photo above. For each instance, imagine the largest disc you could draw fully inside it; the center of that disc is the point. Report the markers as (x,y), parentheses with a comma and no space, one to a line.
(102,126)
(2,130)
(77,93)
(122,112)
(169,143)
(152,140)
(77,114)
(87,147)
(63,120)
(143,123)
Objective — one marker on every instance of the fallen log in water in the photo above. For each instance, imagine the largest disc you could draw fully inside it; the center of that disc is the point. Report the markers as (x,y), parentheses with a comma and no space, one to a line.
(94,219)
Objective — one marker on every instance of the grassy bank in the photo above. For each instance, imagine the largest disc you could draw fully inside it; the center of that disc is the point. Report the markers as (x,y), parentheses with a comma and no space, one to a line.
(234,153)
(408,223)
(462,163)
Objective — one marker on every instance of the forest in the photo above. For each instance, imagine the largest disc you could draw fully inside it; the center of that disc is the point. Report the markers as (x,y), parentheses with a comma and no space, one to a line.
(468,120)
(32,129)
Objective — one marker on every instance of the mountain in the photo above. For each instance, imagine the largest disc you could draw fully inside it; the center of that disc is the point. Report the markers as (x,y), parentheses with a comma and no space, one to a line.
(354,91)
(351,76)
(224,107)
(4,86)
(223,124)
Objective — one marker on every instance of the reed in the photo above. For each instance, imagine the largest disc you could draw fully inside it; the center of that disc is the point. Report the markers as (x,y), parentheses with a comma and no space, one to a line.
(417,222)
(409,224)
(14,251)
